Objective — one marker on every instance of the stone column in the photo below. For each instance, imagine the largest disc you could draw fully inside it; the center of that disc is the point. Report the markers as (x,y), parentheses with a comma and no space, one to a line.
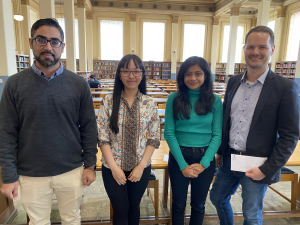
(174,45)
(7,43)
(277,34)
(214,45)
(263,12)
(82,34)
(234,22)
(70,35)
(47,9)
(297,76)
(133,33)
(89,39)
(26,28)
(253,22)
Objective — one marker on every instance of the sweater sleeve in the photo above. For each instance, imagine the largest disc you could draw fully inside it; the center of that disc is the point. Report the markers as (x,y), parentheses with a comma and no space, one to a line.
(9,129)
(169,133)
(216,139)
(88,128)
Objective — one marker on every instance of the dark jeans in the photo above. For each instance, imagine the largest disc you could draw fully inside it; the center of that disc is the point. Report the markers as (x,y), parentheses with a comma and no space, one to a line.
(125,199)
(199,186)
(226,184)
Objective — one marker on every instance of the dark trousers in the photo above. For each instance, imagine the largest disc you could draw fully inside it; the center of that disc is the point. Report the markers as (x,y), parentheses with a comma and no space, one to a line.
(199,186)
(125,199)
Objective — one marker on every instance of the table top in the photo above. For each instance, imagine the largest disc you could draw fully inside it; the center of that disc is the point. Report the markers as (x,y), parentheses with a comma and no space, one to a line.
(158,100)
(158,156)
(161,113)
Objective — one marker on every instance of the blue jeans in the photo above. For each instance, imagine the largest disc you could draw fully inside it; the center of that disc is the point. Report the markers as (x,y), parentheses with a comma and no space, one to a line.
(225,185)
(199,186)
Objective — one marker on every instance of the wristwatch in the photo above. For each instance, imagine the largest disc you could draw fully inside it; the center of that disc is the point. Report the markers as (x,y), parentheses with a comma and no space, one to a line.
(93,167)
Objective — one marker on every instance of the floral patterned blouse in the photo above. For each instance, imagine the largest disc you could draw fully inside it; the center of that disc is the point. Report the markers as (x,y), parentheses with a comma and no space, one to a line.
(128,146)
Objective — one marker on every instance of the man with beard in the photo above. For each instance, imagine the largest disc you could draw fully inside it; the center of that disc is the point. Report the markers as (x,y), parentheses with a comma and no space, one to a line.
(261,119)
(47,130)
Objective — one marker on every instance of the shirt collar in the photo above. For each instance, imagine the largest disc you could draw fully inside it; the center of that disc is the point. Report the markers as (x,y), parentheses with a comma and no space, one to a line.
(40,73)
(261,79)
(138,96)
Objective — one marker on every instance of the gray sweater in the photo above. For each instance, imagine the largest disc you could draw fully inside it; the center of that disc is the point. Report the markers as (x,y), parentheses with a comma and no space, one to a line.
(46,127)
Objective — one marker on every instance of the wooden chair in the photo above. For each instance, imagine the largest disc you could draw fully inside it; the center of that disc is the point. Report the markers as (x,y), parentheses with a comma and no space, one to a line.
(162,106)
(289,175)
(159,96)
(97,105)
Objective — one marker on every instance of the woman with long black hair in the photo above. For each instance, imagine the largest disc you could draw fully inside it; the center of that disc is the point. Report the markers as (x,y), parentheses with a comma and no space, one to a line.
(193,129)
(124,117)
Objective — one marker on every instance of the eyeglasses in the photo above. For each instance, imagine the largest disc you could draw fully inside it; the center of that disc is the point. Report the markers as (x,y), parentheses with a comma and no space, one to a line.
(44,41)
(135,73)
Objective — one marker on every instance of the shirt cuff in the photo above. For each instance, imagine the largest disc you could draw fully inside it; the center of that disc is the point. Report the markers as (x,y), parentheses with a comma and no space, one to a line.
(153,142)
(100,143)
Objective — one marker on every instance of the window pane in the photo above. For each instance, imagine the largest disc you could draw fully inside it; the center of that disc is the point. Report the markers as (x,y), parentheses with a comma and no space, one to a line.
(193,44)
(294,38)
(225,43)
(153,41)
(271,25)
(62,23)
(111,39)
(239,44)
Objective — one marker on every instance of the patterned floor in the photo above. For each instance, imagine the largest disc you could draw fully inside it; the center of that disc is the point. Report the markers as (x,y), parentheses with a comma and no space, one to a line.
(95,204)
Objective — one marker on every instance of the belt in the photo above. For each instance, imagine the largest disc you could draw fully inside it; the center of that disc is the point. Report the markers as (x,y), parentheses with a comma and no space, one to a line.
(238,152)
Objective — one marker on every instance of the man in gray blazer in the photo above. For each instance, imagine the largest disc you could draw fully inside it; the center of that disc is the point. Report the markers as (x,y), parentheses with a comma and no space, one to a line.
(261,119)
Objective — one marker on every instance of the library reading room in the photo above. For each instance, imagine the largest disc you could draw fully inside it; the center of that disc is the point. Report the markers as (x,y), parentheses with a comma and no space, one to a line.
(92,89)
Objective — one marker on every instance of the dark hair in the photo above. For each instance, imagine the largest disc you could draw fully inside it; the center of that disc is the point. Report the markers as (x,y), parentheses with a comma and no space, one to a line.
(92,77)
(181,104)
(263,29)
(50,22)
(119,86)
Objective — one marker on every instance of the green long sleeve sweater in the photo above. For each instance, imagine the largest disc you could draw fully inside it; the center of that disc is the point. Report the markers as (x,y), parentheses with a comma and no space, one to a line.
(198,131)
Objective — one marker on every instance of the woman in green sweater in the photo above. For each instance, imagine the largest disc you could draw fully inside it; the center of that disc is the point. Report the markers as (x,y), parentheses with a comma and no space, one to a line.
(193,129)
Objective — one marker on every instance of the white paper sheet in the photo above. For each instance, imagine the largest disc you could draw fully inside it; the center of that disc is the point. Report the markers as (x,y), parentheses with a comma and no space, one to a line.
(166,158)
(242,163)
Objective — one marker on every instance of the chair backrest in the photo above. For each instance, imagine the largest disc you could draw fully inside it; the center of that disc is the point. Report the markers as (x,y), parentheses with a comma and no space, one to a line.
(162,106)
(97,105)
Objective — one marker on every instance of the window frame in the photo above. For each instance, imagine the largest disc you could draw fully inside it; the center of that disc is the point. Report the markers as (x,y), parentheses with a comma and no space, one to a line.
(183,22)
(99,32)
(142,21)
(182,36)
(223,24)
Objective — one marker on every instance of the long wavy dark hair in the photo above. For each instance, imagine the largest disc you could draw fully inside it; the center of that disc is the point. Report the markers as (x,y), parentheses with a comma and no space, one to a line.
(119,87)
(181,104)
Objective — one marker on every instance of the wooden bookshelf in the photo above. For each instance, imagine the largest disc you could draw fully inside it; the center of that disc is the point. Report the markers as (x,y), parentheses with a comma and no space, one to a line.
(240,68)
(148,69)
(220,69)
(84,74)
(64,63)
(166,71)
(153,70)
(23,62)
(105,68)
(286,69)
(178,65)
(221,77)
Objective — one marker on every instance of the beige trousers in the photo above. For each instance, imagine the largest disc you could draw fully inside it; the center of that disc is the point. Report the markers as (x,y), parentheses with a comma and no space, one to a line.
(36,197)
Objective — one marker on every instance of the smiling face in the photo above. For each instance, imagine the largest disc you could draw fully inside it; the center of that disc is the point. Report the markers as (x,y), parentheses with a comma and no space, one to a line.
(194,77)
(46,56)
(258,50)
(132,80)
